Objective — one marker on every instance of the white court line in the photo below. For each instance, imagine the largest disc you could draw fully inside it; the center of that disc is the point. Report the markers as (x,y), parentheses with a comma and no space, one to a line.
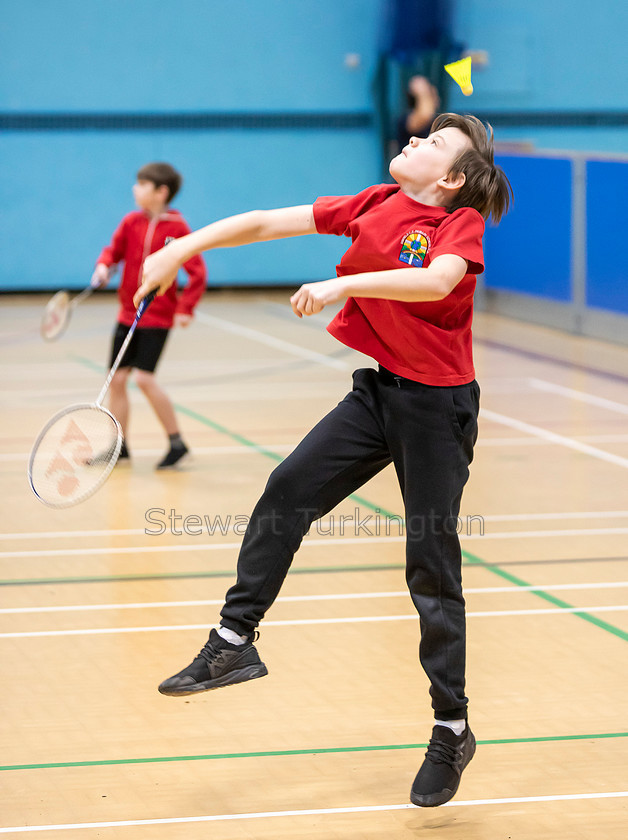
(8,457)
(311,543)
(517,441)
(198,450)
(537,517)
(581,396)
(270,341)
(561,440)
(47,535)
(309,812)
(364,619)
(324,523)
(349,596)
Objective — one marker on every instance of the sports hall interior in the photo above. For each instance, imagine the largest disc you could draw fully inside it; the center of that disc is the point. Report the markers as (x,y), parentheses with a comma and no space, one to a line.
(271,103)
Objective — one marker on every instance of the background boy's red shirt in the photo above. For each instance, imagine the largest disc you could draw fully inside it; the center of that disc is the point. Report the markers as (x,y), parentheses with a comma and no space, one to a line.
(426,342)
(137,236)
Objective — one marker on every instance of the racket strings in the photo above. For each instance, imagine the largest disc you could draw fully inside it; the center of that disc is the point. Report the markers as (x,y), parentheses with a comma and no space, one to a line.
(77,449)
(55,316)
(74,454)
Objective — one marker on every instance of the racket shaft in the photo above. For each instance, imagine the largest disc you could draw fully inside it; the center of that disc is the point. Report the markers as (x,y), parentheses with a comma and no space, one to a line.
(82,295)
(88,290)
(144,304)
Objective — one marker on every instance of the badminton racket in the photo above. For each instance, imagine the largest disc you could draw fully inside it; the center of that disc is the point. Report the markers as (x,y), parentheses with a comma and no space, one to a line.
(77,449)
(59,309)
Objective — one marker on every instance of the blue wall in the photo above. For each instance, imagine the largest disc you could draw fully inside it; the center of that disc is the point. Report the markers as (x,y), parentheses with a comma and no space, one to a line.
(561,55)
(145,55)
(63,191)
(551,59)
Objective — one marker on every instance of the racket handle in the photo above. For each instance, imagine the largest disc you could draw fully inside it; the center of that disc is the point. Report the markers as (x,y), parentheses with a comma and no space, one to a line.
(146,302)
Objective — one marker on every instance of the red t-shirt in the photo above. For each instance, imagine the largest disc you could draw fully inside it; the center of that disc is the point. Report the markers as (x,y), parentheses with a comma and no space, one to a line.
(135,238)
(427,342)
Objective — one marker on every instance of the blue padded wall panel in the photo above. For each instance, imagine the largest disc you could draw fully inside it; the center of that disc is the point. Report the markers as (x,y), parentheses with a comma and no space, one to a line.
(607,271)
(530,251)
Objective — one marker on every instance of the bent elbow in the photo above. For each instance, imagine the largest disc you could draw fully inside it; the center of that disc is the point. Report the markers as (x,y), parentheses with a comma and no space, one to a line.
(442,288)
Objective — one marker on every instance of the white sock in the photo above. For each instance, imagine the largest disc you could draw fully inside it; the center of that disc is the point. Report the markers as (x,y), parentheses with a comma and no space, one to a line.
(231,636)
(456,726)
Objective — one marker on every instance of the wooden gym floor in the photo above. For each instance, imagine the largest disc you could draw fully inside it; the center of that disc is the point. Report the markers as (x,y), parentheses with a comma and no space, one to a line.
(102,601)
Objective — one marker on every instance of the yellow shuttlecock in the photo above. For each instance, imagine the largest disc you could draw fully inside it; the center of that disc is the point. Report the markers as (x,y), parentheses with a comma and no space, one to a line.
(460,72)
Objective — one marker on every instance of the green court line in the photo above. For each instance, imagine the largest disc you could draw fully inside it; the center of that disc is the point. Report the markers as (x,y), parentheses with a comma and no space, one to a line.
(282,753)
(229,573)
(182,409)
(471,559)
(238,438)
(307,570)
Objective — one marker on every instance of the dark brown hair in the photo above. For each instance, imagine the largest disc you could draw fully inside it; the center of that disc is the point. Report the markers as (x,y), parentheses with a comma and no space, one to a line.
(486,187)
(162,175)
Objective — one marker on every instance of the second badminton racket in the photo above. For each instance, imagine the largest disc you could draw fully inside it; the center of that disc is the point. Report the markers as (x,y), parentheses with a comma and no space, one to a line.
(59,308)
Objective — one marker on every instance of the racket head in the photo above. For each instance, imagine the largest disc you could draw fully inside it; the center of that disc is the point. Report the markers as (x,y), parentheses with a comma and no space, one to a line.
(74,454)
(56,316)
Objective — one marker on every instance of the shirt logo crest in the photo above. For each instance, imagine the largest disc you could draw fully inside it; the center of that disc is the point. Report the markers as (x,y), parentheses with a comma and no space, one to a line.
(414,248)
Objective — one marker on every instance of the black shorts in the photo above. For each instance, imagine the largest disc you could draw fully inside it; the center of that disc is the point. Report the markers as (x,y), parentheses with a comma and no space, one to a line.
(144,349)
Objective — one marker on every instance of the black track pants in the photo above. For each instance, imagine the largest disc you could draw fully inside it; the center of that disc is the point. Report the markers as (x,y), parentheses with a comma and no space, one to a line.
(428,434)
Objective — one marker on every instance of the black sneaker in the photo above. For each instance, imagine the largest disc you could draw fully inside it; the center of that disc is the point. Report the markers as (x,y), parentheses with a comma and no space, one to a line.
(446,757)
(172,457)
(105,456)
(218,664)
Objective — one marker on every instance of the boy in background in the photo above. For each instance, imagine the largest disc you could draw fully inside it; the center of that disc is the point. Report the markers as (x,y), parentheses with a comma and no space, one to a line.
(139,234)
(408,279)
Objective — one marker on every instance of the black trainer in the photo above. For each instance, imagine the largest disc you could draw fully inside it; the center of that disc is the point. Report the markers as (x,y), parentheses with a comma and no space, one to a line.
(105,456)
(446,757)
(218,664)
(172,457)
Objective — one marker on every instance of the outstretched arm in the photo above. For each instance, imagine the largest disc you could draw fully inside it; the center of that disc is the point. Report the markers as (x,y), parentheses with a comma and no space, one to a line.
(160,268)
(406,284)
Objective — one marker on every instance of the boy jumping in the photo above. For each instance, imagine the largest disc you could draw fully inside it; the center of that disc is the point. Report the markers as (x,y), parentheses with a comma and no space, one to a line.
(408,279)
